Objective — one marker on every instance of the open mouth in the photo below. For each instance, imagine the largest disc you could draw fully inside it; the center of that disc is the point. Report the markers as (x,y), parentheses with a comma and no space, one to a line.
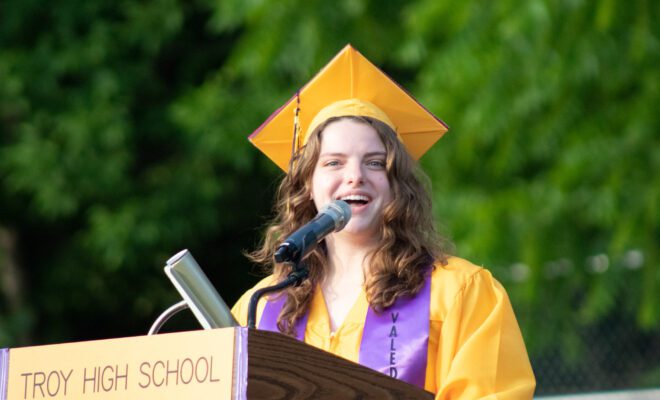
(355,199)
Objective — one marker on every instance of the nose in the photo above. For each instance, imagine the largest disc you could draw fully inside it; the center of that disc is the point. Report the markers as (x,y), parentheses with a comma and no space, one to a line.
(354,173)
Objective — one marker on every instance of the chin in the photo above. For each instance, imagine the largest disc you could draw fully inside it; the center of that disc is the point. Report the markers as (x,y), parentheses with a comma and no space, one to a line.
(359,230)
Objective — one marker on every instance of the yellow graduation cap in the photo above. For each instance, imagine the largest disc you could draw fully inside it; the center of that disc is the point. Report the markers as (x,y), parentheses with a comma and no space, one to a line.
(349,85)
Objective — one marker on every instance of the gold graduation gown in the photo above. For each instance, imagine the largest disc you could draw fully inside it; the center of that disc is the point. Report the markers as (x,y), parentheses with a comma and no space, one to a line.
(475,351)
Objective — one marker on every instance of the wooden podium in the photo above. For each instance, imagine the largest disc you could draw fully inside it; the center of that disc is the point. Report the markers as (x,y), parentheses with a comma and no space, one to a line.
(228,363)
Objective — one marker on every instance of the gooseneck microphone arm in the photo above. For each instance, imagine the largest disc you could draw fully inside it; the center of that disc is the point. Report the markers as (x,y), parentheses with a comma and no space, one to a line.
(166,315)
(295,278)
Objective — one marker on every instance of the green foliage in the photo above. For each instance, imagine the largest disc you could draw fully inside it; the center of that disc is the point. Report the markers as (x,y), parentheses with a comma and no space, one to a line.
(122,140)
(553,145)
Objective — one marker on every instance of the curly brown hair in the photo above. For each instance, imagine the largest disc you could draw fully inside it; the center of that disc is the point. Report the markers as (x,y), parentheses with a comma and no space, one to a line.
(409,242)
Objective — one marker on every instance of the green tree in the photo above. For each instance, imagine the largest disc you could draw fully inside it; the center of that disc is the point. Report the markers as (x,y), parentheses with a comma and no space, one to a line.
(104,174)
(122,140)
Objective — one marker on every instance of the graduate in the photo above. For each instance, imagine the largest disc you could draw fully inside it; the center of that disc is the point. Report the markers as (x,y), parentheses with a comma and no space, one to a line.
(384,291)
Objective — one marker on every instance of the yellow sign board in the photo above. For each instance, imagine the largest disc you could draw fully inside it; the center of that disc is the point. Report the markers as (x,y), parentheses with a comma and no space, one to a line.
(186,365)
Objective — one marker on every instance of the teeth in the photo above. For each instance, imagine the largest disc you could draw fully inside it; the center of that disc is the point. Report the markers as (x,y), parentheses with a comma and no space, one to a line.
(355,197)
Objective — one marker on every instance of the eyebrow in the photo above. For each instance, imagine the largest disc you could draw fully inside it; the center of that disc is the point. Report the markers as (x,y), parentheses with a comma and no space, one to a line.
(370,154)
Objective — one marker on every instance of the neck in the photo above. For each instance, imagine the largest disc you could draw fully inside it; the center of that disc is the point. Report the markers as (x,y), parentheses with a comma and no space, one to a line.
(347,257)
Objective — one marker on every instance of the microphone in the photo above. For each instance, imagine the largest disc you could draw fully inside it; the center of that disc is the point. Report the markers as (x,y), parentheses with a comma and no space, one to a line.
(333,217)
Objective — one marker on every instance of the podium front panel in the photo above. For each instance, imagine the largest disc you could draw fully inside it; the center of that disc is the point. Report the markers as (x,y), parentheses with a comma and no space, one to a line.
(186,365)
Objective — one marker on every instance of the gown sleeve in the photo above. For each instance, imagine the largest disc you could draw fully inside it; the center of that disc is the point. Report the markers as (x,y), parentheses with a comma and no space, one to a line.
(240,308)
(481,353)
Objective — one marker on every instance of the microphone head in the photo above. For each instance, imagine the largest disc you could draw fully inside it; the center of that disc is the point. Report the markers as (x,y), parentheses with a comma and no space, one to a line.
(339,211)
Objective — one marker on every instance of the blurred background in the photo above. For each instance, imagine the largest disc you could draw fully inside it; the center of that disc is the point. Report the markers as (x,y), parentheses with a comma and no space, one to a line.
(123,132)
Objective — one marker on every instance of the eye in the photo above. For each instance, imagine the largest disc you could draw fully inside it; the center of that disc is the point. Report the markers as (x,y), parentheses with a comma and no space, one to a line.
(376,163)
(331,163)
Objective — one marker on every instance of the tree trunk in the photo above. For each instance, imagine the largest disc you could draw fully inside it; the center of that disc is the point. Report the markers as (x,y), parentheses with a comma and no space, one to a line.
(11,280)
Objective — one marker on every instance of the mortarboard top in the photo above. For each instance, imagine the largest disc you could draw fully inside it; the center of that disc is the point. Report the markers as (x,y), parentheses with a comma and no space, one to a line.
(351,78)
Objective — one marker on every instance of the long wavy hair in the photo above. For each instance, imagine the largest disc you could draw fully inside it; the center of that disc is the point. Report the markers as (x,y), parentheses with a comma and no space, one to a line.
(409,242)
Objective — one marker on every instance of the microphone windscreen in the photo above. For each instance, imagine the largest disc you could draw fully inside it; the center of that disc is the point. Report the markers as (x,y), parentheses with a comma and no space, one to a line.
(340,212)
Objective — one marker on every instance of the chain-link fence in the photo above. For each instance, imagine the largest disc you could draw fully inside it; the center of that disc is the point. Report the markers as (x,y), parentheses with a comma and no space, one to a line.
(613,355)
(643,394)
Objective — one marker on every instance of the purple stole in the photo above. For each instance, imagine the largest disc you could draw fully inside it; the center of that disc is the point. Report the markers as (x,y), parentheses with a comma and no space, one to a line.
(394,342)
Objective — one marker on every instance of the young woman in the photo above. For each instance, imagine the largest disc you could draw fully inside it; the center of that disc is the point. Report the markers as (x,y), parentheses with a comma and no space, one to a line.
(386,280)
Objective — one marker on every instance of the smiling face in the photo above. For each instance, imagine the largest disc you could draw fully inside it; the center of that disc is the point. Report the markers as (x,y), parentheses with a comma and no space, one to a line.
(351,166)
